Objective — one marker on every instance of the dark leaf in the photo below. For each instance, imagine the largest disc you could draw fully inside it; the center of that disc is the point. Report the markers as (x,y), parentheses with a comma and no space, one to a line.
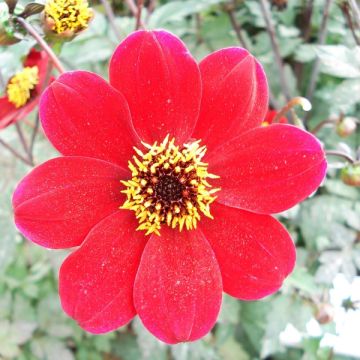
(11,5)
(32,9)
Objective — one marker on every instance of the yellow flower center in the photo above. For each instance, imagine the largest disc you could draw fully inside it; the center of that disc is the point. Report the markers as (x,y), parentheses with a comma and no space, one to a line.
(72,15)
(20,85)
(169,186)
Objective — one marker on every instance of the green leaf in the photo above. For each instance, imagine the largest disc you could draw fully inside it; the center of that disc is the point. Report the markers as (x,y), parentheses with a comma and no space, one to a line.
(302,280)
(230,310)
(150,347)
(339,61)
(284,309)
(344,96)
(198,350)
(48,348)
(305,53)
(8,348)
(126,347)
(323,219)
(178,10)
(252,324)
(232,350)
(11,5)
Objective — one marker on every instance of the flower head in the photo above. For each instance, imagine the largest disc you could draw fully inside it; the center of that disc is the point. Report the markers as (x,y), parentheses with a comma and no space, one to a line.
(346,126)
(24,88)
(175,150)
(350,174)
(169,185)
(21,84)
(67,16)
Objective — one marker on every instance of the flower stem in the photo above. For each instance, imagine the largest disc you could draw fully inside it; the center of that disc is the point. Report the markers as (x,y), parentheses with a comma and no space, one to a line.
(33,137)
(321,124)
(134,9)
(275,46)
(355,10)
(22,138)
(229,8)
(340,154)
(16,153)
(298,100)
(306,23)
(31,30)
(322,38)
(346,12)
(110,15)
(138,14)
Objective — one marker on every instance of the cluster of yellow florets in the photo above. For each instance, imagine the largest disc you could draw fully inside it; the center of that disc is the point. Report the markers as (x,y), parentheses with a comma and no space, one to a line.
(169,186)
(67,15)
(20,86)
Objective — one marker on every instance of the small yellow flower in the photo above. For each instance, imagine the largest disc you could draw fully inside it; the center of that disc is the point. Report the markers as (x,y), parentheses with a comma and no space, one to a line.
(67,16)
(21,84)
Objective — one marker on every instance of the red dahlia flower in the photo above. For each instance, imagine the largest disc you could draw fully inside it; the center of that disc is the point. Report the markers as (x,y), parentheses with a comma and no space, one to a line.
(162,102)
(24,88)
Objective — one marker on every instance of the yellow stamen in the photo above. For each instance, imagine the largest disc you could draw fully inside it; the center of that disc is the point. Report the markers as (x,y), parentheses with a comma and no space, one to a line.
(169,186)
(20,85)
(68,15)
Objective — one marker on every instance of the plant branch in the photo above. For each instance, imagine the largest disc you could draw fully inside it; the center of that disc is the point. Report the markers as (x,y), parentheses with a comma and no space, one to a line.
(298,100)
(110,15)
(321,124)
(22,138)
(138,14)
(346,12)
(134,10)
(322,37)
(307,19)
(151,6)
(35,129)
(340,154)
(356,11)
(33,137)
(31,30)
(230,10)
(275,46)
(16,153)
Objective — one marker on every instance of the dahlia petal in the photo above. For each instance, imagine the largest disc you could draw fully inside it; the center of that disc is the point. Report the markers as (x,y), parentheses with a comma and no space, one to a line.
(268,169)
(178,288)
(8,112)
(161,82)
(235,96)
(83,115)
(255,252)
(60,201)
(96,281)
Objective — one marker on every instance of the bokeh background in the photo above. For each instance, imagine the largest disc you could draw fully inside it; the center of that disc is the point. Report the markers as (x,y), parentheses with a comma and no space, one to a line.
(316,314)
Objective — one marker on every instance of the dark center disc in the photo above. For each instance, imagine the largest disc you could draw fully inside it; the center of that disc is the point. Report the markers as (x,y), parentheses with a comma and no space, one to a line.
(168,189)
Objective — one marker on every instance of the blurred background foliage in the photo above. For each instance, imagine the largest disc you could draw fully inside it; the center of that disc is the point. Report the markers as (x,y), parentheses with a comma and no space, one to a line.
(316,42)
